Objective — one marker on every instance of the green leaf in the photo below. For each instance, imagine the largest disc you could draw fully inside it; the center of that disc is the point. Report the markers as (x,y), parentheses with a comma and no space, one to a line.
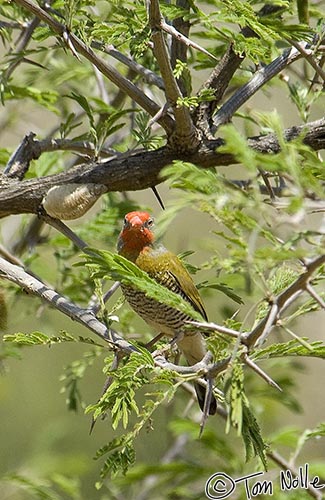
(237,145)
(45,98)
(292,348)
(222,287)
(38,490)
(40,338)
(252,437)
(234,390)
(317,432)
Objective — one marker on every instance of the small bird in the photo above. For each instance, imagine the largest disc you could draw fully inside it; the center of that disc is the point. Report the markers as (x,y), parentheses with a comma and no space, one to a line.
(136,243)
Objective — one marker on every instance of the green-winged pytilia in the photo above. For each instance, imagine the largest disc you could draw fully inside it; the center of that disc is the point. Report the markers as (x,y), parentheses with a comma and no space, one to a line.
(137,243)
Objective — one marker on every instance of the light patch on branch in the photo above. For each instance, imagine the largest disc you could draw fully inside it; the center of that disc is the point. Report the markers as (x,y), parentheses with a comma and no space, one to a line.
(71,201)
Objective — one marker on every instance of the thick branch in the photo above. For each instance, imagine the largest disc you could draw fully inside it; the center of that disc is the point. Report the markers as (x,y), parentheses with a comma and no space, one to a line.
(140,170)
(218,81)
(178,50)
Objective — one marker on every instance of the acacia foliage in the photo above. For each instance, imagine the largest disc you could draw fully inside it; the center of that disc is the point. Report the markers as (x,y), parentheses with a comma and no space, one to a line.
(264,219)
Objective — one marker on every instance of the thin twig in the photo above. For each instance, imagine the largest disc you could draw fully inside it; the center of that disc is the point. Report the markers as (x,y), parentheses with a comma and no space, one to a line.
(22,43)
(148,75)
(29,237)
(114,366)
(64,229)
(95,305)
(217,328)
(257,369)
(312,292)
(308,55)
(176,449)
(296,337)
(168,28)
(286,466)
(282,301)
(9,256)
(273,316)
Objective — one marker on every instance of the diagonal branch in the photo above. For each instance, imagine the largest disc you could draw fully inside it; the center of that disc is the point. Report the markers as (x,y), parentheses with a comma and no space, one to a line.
(218,81)
(184,39)
(260,78)
(22,43)
(148,75)
(34,286)
(178,50)
(287,466)
(78,46)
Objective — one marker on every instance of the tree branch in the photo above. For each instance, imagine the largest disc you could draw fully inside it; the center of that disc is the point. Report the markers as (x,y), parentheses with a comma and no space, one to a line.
(146,166)
(148,75)
(184,136)
(22,43)
(258,334)
(218,81)
(260,78)
(285,465)
(178,50)
(221,75)
(34,286)
(308,55)
(184,39)
(281,302)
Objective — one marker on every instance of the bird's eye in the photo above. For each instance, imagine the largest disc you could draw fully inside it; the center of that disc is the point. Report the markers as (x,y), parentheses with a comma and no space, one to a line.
(125,222)
(149,222)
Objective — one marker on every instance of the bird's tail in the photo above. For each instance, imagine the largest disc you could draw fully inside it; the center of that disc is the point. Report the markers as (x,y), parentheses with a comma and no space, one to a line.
(194,349)
(201,395)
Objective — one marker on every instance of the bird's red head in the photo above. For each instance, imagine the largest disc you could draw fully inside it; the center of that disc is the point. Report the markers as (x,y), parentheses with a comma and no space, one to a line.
(136,234)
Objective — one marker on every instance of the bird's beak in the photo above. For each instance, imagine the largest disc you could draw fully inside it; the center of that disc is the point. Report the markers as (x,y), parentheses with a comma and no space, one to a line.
(135,222)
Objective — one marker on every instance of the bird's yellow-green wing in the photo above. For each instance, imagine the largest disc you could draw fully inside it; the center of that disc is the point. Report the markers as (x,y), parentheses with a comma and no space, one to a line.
(187,285)
(168,270)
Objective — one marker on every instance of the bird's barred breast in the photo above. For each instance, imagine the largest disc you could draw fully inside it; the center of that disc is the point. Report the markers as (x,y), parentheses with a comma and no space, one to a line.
(161,316)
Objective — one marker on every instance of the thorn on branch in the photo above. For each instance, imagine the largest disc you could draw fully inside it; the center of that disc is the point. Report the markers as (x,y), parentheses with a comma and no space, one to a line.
(249,362)
(312,292)
(68,41)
